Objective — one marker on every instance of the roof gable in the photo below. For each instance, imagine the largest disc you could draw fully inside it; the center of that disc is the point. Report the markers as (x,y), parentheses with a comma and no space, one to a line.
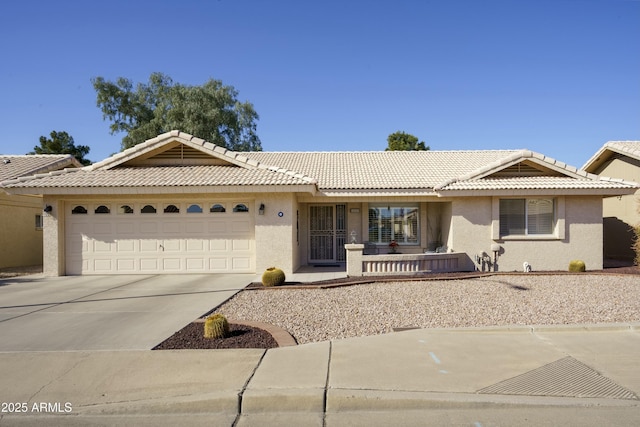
(520,164)
(609,151)
(175,148)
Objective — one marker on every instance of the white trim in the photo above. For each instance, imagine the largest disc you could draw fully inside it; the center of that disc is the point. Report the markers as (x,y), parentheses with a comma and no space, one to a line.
(559,231)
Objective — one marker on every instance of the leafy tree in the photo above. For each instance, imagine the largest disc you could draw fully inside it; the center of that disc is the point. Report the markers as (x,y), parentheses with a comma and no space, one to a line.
(400,141)
(211,111)
(62,143)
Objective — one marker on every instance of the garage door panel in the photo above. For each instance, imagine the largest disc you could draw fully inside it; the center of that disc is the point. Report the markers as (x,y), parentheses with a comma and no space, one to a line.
(76,245)
(125,245)
(195,264)
(155,243)
(100,246)
(218,245)
(240,245)
(125,228)
(149,245)
(195,227)
(218,227)
(149,227)
(102,265)
(240,228)
(241,263)
(218,264)
(172,227)
(149,264)
(102,228)
(171,245)
(172,264)
(126,265)
(195,245)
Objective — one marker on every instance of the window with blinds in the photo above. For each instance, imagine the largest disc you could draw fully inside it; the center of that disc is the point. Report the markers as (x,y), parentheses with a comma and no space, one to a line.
(521,217)
(387,223)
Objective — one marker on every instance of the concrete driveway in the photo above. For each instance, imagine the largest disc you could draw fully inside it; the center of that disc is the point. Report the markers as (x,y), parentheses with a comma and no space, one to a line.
(106,312)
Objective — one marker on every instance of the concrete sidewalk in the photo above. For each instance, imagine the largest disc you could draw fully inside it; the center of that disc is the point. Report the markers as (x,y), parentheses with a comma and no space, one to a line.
(579,375)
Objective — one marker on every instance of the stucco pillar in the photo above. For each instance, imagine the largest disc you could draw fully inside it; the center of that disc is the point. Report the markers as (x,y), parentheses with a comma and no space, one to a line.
(354,259)
(53,238)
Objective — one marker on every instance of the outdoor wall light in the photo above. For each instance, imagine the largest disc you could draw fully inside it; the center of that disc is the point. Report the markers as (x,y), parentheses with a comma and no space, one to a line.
(48,208)
(261,209)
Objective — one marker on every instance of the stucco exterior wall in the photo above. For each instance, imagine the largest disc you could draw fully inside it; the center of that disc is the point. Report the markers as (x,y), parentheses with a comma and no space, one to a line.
(53,238)
(473,220)
(468,225)
(20,241)
(470,228)
(276,240)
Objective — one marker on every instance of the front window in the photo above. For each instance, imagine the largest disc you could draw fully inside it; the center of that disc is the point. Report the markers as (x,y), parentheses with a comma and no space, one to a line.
(523,217)
(399,223)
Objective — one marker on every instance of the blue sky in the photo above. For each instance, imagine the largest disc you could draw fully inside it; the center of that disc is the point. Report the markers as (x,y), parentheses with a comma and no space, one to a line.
(560,77)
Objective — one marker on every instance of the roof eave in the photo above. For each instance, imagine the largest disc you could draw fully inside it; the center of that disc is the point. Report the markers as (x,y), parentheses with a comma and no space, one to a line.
(605,152)
(373,192)
(63,191)
(604,192)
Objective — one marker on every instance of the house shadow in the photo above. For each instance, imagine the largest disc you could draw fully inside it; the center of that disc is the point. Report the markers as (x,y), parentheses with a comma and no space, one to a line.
(618,240)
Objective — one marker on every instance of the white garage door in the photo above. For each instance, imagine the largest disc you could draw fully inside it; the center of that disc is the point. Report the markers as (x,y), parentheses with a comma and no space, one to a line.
(129,238)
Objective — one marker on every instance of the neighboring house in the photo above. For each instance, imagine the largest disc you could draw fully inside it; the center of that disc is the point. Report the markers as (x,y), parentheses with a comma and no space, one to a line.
(619,159)
(21,215)
(177,204)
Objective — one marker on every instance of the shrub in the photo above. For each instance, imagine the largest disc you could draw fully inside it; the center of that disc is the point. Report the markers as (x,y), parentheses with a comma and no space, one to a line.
(577,266)
(273,277)
(216,326)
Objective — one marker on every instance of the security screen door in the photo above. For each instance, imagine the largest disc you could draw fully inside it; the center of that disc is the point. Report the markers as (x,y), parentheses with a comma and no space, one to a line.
(327,233)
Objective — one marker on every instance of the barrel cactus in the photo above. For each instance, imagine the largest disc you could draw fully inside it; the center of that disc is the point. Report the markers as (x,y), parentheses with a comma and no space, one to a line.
(216,326)
(273,277)
(577,266)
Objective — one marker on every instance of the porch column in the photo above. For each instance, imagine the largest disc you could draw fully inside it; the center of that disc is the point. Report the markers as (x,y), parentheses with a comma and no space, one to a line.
(354,259)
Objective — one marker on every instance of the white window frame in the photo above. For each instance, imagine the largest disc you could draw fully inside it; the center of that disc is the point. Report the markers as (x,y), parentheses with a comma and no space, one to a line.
(558,229)
(392,208)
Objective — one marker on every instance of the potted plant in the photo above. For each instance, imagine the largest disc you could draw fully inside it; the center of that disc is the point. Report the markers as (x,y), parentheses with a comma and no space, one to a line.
(393,245)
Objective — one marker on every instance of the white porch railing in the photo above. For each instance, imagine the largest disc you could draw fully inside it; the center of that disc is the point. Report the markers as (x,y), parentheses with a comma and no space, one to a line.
(401,264)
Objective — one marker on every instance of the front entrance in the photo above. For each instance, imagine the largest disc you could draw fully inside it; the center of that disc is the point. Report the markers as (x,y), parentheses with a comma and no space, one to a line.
(327,233)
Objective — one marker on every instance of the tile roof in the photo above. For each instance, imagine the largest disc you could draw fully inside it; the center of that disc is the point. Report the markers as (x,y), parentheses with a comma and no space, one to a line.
(16,166)
(533,183)
(159,176)
(627,148)
(383,169)
(373,172)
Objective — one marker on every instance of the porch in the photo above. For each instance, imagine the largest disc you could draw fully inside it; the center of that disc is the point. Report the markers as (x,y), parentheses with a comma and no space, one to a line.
(359,264)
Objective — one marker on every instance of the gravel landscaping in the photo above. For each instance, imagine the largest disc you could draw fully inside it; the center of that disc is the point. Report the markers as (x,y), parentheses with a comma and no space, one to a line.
(317,314)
